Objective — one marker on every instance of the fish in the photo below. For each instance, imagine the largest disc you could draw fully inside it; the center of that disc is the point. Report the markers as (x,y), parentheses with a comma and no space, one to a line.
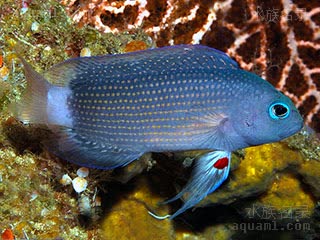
(107,111)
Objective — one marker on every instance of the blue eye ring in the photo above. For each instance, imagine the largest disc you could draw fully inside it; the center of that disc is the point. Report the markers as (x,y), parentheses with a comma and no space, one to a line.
(279,110)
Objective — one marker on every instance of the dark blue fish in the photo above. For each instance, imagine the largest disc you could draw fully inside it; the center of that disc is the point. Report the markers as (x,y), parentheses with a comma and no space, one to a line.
(109,110)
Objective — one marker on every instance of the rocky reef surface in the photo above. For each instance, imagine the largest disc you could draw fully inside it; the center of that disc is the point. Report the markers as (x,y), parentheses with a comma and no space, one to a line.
(273,190)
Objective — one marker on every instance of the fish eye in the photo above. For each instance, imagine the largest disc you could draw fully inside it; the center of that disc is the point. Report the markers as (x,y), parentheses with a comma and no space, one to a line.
(279,111)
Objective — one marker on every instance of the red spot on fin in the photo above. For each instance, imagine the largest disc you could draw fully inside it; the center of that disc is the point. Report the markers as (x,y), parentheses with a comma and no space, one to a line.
(221,163)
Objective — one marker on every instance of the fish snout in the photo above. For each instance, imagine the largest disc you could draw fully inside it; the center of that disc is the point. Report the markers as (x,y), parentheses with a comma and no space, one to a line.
(294,126)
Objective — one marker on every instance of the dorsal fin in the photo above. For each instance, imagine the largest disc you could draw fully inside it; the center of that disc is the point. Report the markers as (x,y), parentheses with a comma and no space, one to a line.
(178,58)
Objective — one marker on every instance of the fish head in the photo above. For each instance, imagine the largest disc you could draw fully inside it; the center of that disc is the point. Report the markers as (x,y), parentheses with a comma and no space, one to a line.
(266,116)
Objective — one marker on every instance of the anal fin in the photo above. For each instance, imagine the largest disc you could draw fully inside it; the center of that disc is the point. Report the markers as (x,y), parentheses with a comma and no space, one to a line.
(88,151)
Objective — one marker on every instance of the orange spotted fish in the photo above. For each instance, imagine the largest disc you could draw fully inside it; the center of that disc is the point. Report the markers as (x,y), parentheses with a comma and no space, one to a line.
(106,111)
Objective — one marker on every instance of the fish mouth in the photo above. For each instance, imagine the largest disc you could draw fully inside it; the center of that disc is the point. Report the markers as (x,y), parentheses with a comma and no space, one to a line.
(291,131)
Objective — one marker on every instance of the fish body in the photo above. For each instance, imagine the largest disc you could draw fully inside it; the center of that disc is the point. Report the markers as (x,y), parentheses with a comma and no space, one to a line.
(109,110)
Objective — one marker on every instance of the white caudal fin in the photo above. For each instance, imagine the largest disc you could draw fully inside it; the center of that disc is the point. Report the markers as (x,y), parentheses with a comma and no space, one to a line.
(42,102)
(32,107)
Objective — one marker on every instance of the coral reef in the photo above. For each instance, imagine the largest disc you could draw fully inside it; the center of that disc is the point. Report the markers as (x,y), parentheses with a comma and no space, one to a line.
(273,178)
(123,223)
(271,184)
(28,180)
(279,40)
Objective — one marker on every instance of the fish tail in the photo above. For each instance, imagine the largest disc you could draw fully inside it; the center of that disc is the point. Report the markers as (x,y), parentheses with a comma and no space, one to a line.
(32,106)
